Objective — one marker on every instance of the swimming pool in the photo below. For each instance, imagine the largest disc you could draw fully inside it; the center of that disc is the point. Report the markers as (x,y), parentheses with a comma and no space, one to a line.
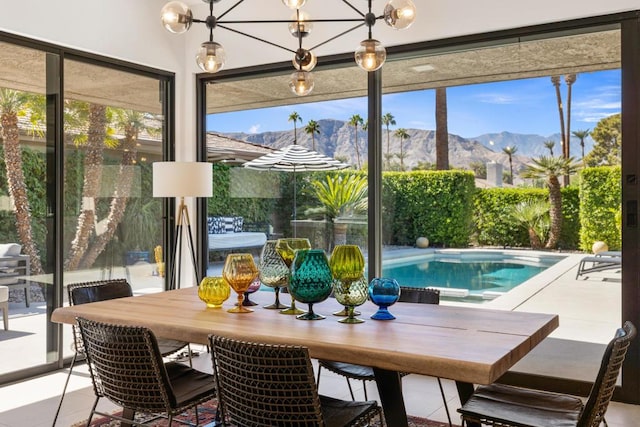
(474,276)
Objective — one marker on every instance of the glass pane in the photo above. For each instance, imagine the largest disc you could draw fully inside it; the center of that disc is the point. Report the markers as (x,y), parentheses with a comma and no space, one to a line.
(250,206)
(113,133)
(24,224)
(485,233)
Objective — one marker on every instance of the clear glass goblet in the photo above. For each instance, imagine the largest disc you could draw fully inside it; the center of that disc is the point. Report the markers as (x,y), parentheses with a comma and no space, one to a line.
(274,273)
(287,248)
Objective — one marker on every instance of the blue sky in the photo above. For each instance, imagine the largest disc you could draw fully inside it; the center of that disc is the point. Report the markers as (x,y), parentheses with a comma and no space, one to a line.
(518,106)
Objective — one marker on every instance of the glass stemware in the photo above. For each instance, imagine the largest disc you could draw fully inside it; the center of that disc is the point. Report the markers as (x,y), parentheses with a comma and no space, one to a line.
(310,280)
(384,292)
(349,285)
(287,248)
(273,272)
(240,271)
(253,287)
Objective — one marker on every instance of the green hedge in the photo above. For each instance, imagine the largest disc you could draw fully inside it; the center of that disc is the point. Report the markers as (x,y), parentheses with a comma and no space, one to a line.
(434,204)
(495,227)
(600,202)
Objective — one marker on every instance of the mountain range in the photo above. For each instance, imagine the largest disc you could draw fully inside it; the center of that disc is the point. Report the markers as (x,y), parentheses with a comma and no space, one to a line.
(336,139)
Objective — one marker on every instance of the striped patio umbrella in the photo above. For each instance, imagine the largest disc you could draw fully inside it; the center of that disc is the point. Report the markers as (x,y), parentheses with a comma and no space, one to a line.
(295,158)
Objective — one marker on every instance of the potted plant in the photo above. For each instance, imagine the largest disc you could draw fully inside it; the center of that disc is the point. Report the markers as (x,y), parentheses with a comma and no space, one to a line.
(340,195)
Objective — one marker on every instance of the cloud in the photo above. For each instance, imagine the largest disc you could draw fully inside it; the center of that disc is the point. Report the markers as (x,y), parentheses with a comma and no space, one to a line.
(495,98)
(254,128)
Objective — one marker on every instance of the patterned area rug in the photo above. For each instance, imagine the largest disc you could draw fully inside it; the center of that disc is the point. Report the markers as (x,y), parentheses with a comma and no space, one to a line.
(207,413)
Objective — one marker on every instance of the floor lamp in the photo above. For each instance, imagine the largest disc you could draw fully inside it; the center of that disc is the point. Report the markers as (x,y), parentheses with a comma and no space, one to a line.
(182,179)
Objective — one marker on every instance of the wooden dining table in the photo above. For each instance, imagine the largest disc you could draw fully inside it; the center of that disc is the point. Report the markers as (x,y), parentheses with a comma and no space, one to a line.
(470,345)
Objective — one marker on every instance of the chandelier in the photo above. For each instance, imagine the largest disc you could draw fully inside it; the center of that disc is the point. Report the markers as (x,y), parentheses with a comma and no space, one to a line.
(370,55)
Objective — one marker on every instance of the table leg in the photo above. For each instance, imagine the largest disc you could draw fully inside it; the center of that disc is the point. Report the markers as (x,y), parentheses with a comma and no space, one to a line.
(465,390)
(390,391)
(127,414)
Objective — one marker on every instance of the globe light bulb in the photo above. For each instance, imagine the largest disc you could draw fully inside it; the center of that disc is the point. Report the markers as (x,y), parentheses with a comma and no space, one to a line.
(370,55)
(399,14)
(304,60)
(211,57)
(300,28)
(294,4)
(176,17)
(301,83)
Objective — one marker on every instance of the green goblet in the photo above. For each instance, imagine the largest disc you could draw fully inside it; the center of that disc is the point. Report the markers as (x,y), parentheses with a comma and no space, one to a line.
(349,284)
(310,280)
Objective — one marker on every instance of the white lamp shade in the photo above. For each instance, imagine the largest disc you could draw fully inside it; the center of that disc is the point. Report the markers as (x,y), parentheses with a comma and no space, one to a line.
(182,179)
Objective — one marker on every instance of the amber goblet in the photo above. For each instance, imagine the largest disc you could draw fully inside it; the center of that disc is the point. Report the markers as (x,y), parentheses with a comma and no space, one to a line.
(240,271)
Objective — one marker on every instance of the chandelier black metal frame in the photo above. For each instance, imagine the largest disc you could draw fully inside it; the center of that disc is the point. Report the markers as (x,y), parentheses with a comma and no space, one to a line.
(177,18)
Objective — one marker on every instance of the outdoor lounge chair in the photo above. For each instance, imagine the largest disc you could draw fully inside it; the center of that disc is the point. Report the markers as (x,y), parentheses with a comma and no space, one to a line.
(602,261)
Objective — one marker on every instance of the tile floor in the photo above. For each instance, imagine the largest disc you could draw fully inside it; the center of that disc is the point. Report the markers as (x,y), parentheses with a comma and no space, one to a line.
(33,403)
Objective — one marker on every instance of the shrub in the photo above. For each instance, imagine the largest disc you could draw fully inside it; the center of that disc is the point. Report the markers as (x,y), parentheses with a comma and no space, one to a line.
(600,203)
(434,204)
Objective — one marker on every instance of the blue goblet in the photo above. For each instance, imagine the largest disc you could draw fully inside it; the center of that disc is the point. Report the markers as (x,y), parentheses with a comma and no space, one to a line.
(383,292)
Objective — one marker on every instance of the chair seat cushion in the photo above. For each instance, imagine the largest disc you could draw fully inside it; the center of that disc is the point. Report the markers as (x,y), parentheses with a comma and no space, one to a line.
(337,412)
(167,346)
(520,407)
(358,372)
(189,384)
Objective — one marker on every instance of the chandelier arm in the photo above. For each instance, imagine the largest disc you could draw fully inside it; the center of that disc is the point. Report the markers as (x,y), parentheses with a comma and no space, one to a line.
(256,38)
(353,7)
(228,10)
(288,21)
(337,36)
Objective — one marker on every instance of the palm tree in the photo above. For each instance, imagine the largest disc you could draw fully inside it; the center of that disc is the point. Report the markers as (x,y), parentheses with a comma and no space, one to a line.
(582,135)
(510,151)
(442,132)
(550,144)
(388,120)
(132,123)
(312,128)
(549,169)
(402,134)
(555,80)
(295,118)
(13,104)
(569,79)
(96,115)
(534,216)
(354,121)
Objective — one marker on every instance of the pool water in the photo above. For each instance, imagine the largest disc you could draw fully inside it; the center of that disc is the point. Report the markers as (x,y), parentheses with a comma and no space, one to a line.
(475,276)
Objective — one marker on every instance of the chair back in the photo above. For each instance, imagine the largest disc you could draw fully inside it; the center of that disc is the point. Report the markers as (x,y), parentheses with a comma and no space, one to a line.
(419,295)
(100,290)
(126,366)
(605,383)
(263,384)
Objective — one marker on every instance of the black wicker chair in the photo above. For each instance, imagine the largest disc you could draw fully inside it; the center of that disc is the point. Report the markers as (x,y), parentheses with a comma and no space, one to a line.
(127,368)
(273,385)
(508,406)
(102,290)
(365,373)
